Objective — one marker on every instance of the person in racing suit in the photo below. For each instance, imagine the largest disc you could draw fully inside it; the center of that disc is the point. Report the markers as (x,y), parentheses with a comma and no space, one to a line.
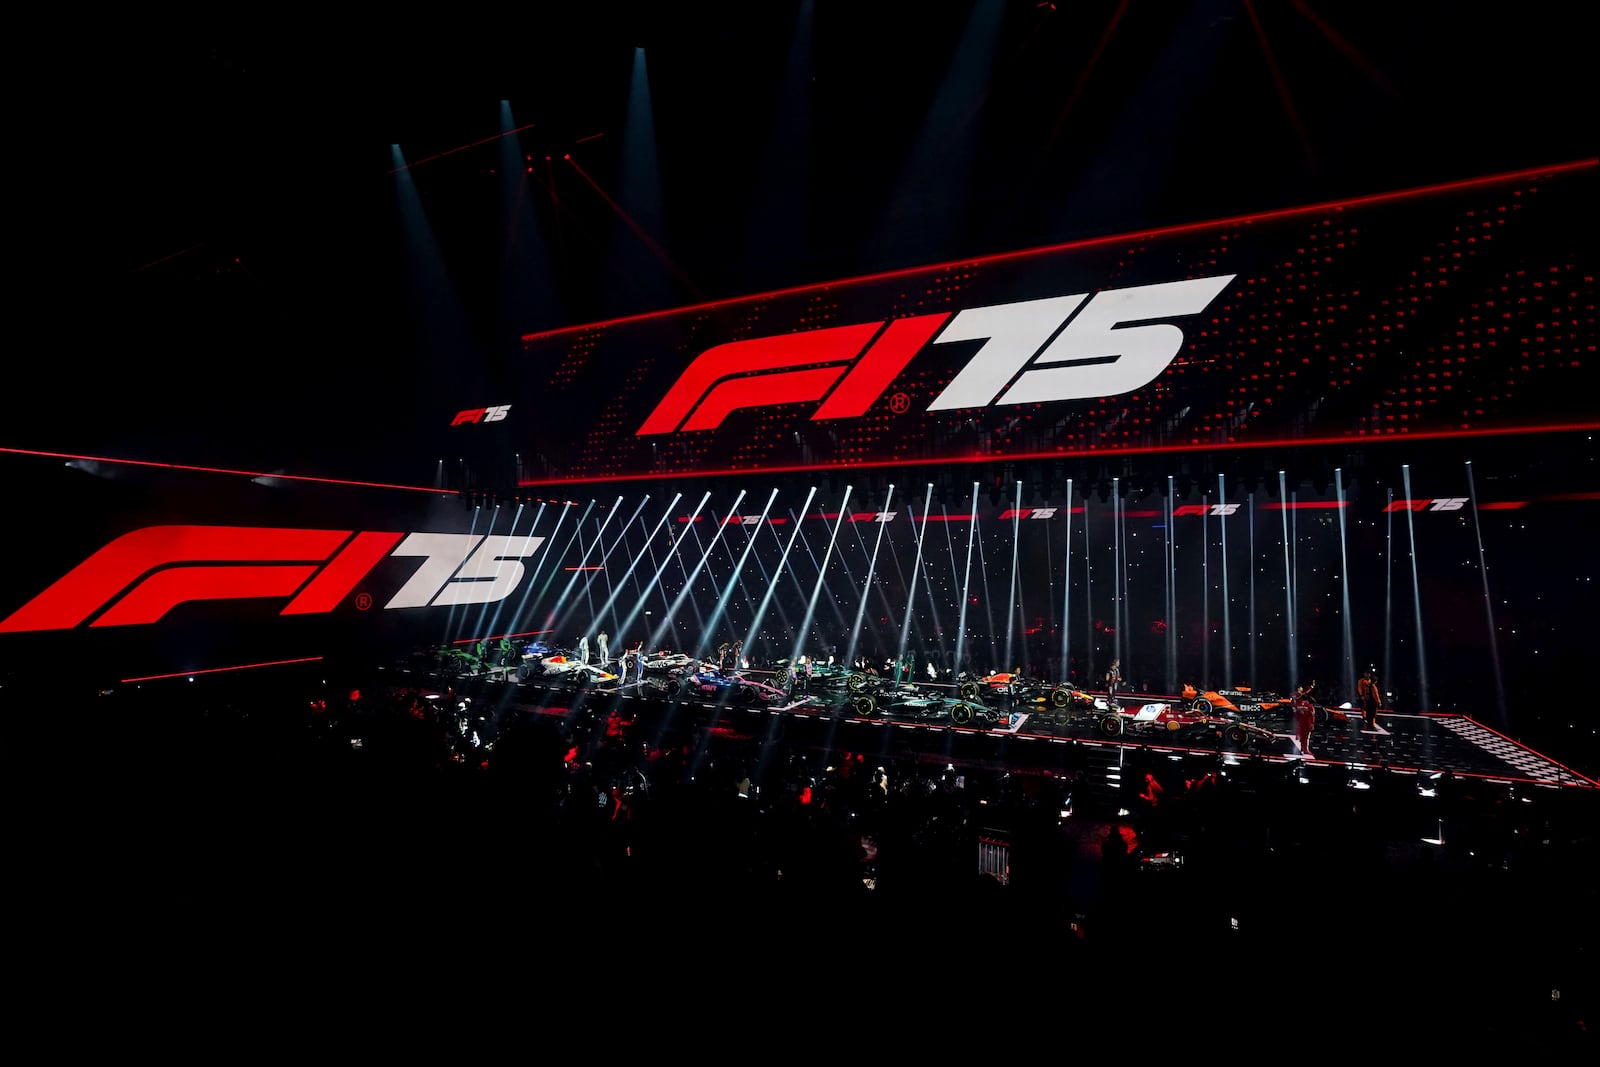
(1305,718)
(1370,699)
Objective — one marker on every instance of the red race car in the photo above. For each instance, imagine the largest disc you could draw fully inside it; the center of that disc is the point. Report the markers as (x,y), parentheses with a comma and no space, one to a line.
(1181,723)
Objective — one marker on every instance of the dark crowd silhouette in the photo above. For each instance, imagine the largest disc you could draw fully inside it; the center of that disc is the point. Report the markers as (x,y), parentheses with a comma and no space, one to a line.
(481,812)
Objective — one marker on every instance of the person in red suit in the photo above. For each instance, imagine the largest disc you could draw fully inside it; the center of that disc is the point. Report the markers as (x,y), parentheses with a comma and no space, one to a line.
(1305,717)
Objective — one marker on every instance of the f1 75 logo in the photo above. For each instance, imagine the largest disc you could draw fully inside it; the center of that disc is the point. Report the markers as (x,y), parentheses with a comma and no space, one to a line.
(1205,509)
(1447,503)
(142,575)
(472,415)
(1074,347)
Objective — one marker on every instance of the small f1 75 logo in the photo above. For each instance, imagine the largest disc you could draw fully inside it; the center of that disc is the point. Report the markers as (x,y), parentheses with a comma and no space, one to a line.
(1075,347)
(1205,509)
(144,574)
(474,415)
(1447,503)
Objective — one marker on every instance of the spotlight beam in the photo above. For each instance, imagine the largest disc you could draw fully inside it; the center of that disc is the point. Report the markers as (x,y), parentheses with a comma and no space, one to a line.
(632,618)
(916,567)
(607,609)
(687,592)
(734,579)
(961,625)
(766,601)
(580,574)
(872,568)
(816,589)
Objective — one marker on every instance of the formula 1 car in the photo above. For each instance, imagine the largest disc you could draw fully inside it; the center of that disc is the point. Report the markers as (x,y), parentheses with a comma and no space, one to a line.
(564,670)
(1246,703)
(710,683)
(666,660)
(1180,723)
(906,702)
(1018,689)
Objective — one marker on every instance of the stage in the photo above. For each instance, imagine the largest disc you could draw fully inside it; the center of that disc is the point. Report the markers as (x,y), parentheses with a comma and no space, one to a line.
(1029,737)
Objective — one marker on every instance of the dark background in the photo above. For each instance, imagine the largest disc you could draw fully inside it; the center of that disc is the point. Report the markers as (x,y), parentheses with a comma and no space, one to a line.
(209,266)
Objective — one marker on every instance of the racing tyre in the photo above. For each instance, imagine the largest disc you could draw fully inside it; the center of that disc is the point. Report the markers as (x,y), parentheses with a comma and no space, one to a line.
(1060,698)
(1202,705)
(864,705)
(1111,726)
(856,682)
(969,690)
(1236,734)
(961,714)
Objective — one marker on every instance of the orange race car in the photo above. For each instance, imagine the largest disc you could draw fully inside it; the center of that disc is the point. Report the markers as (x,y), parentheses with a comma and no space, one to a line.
(1246,703)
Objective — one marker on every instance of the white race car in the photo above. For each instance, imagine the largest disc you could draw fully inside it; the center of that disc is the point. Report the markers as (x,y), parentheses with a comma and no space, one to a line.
(566,670)
(666,661)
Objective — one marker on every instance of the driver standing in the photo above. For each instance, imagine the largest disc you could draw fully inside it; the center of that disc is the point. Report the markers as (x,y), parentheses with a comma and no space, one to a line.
(1305,717)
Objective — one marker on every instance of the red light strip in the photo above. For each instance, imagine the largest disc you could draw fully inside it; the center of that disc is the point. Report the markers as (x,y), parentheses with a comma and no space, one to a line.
(1303,505)
(499,637)
(1143,450)
(1503,505)
(1572,496)
(1090,242)
(219,670)
(462,148)
(226,470)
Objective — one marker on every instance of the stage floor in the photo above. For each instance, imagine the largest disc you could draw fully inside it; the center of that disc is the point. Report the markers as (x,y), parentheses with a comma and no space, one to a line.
(1425,744)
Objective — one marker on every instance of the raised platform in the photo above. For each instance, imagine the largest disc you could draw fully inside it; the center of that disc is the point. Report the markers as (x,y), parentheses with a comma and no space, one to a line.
(1425,745)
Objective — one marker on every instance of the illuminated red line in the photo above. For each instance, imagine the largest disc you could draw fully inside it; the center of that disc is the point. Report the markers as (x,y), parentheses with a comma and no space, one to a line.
(1303,505)
(949,518)
(1572,496)
(1139,450)
(225,470)
(462,148)
(1503,505)
(591,137)
(219,670)
(499,637)
(1088,242)
(1141,514)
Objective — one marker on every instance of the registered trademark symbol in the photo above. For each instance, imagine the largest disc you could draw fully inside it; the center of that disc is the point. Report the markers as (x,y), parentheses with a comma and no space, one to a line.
(899,403)
(363,601)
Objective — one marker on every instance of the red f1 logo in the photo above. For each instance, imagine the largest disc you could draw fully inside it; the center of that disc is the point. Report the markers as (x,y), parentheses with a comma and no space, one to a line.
(1205,509)
(1448,503)
(474,415)
(317,568)
(1028,357)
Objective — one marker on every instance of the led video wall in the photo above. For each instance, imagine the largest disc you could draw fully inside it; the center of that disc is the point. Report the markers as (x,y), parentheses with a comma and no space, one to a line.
(1455,310)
